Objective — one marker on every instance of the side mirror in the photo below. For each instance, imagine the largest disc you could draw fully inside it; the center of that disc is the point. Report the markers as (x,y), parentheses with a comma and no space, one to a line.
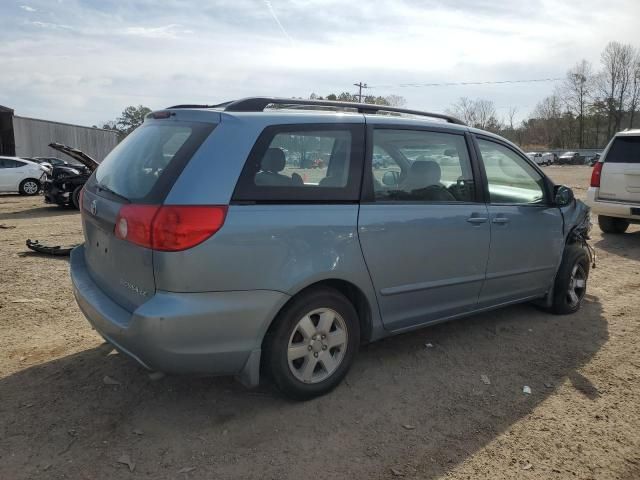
(563,196)
(390,179)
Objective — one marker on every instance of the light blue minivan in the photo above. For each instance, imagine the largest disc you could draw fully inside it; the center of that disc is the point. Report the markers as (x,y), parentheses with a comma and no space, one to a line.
(259,236)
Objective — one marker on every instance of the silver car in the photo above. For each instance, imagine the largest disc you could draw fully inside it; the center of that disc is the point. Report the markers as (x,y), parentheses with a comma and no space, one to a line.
(212,248)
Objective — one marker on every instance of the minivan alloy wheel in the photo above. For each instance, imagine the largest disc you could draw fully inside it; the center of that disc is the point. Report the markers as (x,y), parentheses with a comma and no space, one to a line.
(317,345)
(577,285)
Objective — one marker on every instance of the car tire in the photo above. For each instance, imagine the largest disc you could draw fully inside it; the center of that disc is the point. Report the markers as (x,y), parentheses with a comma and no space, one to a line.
(312,343)
(29,186)
(612,224)
(75,197)
(571,281)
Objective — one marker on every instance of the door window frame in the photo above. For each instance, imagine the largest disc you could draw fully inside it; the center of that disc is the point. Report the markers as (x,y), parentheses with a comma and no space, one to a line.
(368,194)
(547,189)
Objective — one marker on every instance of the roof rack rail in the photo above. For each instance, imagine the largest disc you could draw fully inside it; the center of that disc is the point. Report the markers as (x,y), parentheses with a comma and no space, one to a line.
(258,104)
(195,105)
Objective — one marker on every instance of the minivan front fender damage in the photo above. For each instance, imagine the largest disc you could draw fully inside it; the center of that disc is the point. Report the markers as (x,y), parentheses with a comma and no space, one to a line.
(577,225)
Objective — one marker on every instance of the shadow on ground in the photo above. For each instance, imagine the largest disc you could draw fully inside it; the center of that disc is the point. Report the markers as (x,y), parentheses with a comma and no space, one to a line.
(405,406)
(44,211)
(624,245)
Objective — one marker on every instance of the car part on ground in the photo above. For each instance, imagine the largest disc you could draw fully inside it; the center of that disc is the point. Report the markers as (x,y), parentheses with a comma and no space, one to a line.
(55,250)
(210,248)
(63,185)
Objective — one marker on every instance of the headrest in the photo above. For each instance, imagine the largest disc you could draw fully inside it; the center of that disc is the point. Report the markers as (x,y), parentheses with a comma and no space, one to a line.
(273,160)
(426,170)
(451,152)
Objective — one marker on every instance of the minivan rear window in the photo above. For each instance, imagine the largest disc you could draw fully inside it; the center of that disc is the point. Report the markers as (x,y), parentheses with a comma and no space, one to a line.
(146,163)
(624,150)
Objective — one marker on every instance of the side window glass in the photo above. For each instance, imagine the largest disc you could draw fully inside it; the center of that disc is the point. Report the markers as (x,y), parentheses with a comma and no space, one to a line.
(511,179)
(306,159)
(3,163)
(413,165)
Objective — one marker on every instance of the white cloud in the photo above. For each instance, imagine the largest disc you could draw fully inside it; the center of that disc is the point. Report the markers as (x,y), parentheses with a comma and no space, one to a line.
(88,59)
(171,31)
(27,8)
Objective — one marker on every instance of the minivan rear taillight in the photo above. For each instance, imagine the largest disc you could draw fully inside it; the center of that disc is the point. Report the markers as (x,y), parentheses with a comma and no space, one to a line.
(595,174)
(169,228)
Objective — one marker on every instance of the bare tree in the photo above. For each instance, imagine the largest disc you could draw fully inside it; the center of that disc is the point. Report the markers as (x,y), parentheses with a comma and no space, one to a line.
(635,89)
(465,110)
(396,100)
(477,113)
(576,92)
(617,62)
(511,114)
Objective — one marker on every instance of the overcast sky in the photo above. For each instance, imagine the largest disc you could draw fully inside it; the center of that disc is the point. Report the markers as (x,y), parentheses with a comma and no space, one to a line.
(83,61)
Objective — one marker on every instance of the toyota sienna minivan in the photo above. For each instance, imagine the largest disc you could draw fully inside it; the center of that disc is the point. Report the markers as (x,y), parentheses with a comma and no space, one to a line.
(256,236)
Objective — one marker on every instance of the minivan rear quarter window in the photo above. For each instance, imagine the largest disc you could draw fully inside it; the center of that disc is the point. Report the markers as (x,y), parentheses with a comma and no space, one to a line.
(144,165)
(624,150)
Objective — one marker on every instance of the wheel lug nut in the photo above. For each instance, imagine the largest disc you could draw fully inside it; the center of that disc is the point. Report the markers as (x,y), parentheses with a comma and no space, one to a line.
(310,347)
(324,347)
(315,354)
(324,336)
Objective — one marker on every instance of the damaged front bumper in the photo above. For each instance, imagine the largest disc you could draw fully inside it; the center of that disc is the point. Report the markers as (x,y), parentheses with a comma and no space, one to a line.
(56,192)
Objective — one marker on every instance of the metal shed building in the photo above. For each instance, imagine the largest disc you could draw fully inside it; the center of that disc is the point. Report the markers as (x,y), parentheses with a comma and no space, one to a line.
(30,137)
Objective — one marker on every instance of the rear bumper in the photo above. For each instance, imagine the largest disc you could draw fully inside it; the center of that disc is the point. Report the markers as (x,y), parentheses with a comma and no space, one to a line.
(610,208)
(211,333)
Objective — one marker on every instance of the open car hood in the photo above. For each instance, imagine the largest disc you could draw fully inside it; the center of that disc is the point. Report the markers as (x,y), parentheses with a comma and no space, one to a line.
(77,155)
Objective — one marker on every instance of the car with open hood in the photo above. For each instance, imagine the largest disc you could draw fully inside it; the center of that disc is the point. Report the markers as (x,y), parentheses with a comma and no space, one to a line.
(64,182)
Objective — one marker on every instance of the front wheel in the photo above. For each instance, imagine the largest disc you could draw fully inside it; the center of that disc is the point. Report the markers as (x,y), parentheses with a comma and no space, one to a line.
(29,186)
(571,281)
(75,197)
(312,344)
(612,224)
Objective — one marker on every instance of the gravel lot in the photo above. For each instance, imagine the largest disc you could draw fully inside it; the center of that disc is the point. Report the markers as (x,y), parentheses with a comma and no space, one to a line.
(405,410)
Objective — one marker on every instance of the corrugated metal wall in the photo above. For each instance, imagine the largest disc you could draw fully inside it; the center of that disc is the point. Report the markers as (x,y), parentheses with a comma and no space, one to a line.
(32,137)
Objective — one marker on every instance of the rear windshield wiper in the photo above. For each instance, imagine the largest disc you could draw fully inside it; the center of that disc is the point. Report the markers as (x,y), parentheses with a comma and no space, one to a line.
(104,188)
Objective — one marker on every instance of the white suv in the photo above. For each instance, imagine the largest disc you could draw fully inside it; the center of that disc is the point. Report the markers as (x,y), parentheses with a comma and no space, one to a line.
(615,183)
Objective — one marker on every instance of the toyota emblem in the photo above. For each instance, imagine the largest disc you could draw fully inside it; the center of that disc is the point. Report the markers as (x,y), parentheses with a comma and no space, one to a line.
(94,208)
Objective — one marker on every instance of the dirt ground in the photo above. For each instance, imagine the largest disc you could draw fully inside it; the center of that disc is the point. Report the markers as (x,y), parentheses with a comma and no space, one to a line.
(404,411)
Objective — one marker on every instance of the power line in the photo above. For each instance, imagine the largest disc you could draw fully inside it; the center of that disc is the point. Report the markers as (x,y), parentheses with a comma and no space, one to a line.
(452,84)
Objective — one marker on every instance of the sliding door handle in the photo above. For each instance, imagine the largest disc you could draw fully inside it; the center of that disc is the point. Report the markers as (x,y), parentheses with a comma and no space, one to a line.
(500,220)
(477,220)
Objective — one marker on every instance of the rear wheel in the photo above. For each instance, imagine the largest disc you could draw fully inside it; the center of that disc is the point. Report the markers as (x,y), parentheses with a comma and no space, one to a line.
(29,186)
(612,224)
(571,281)
(312,343)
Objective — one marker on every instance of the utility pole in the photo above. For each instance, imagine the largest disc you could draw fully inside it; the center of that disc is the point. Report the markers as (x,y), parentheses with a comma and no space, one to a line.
(360,85)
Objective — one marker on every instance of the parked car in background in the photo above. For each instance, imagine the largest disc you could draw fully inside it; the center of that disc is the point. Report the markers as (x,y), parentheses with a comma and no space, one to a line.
(553,156)
(541,158)
(614,193)
(570,158)
(64,183)
(591,161)
(203,255)
(20,175)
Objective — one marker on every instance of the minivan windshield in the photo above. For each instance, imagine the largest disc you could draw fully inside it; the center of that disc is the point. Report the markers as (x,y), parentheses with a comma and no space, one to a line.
(136,165)
(624,150)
